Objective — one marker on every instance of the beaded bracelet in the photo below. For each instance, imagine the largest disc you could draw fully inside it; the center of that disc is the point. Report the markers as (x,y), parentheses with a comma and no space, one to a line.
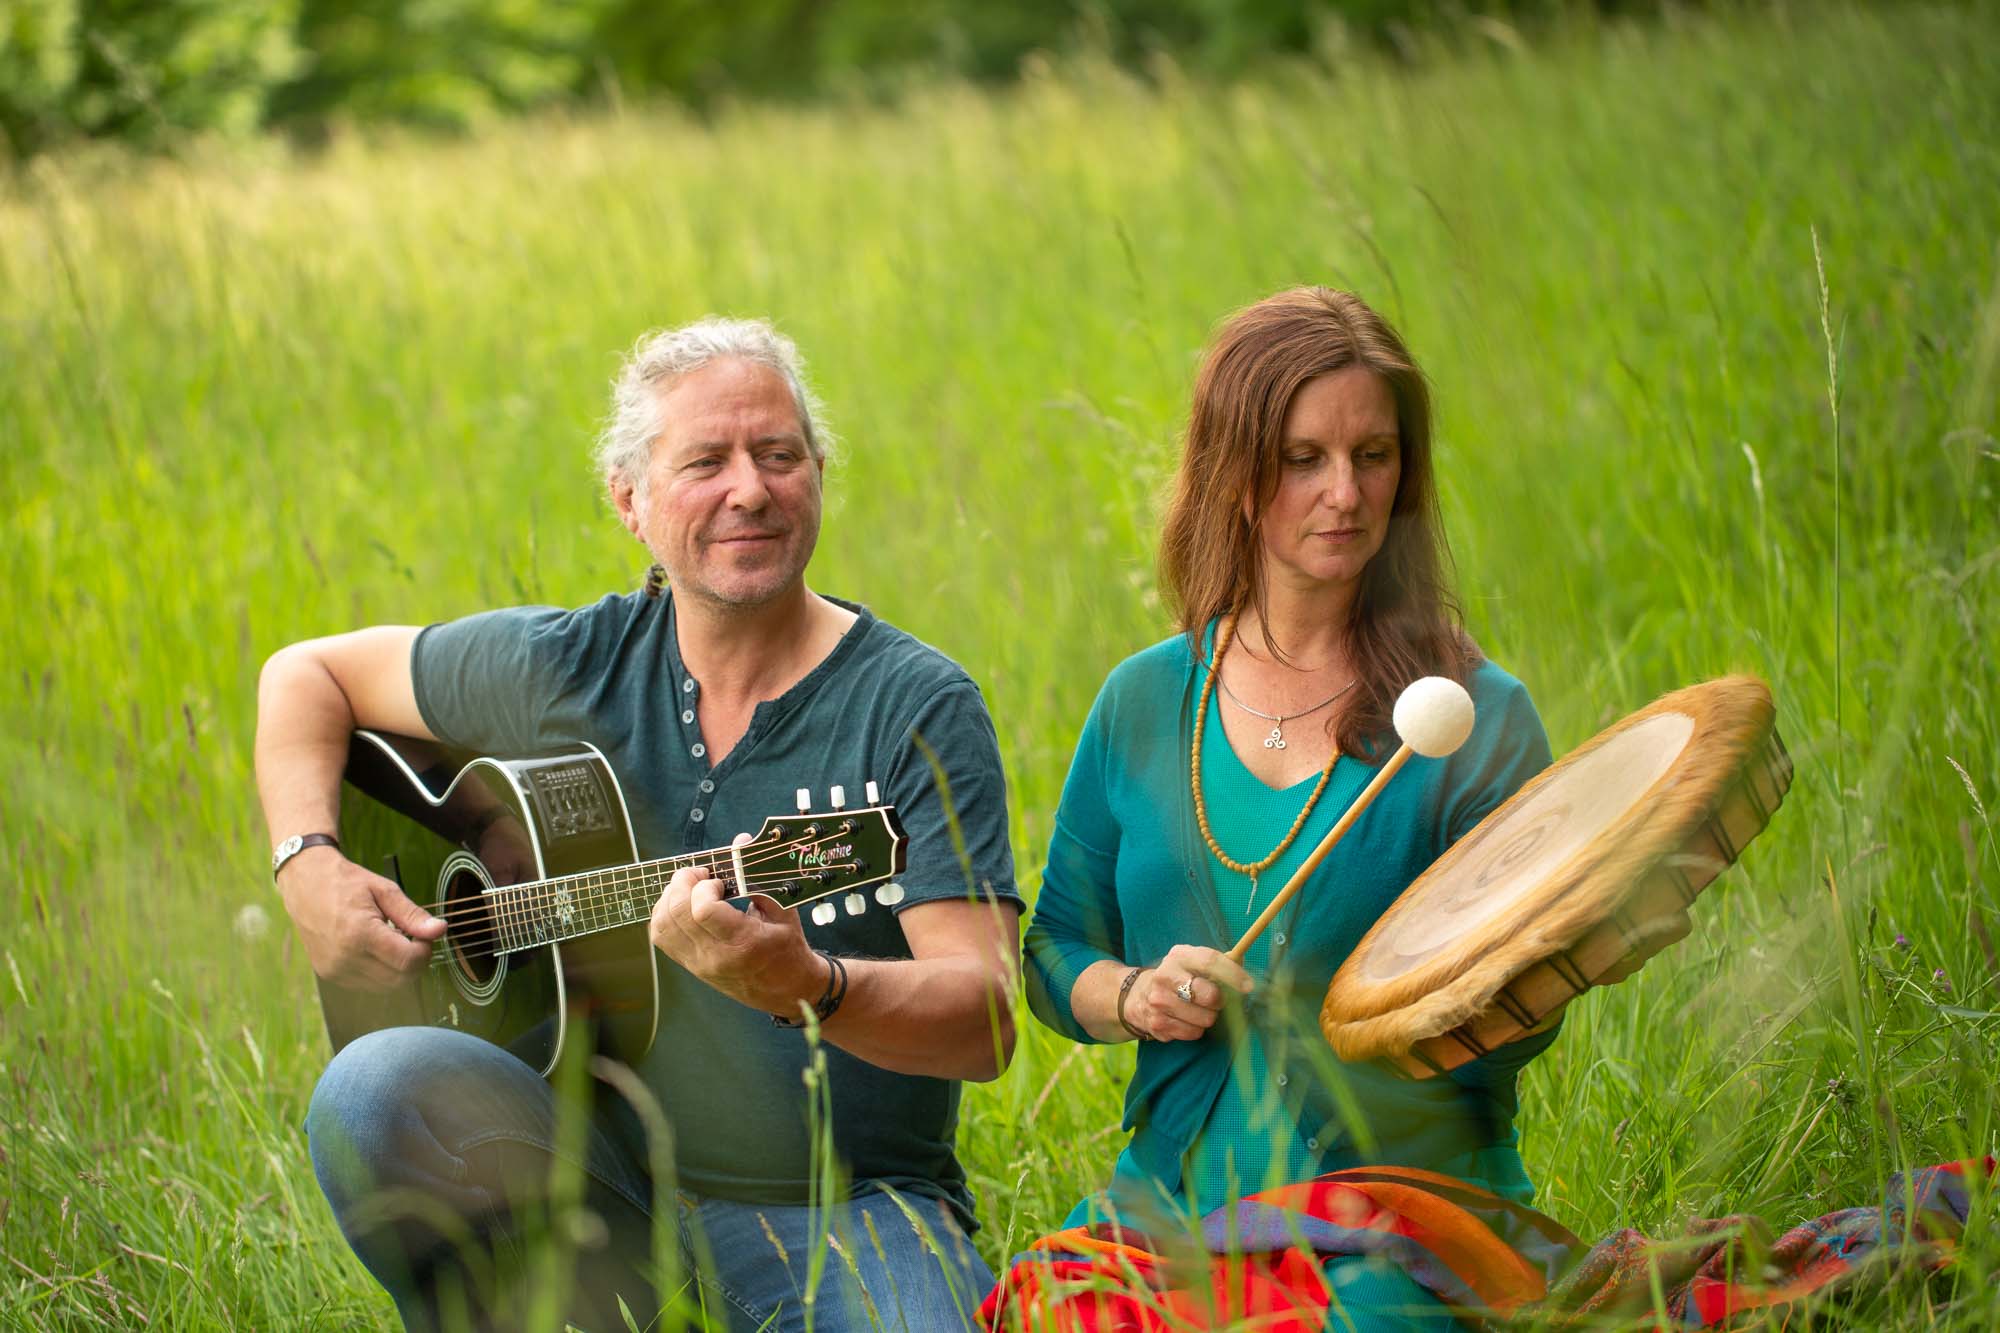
(1125,989)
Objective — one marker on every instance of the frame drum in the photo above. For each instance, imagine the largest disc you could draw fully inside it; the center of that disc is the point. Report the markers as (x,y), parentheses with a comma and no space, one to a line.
(1589,868)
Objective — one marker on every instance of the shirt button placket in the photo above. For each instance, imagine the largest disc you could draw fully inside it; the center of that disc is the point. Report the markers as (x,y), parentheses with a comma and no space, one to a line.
(699,813)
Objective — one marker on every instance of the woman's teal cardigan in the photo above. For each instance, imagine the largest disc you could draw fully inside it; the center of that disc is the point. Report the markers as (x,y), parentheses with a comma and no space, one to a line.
(1128,877)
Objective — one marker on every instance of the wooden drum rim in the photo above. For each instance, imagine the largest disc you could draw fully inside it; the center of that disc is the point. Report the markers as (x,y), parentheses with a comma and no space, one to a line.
(1434,1014)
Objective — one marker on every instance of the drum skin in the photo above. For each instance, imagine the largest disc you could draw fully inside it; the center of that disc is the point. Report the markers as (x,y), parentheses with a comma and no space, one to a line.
(1590,867)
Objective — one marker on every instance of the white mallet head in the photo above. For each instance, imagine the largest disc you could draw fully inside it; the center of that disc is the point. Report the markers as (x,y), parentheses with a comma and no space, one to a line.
(1433,716)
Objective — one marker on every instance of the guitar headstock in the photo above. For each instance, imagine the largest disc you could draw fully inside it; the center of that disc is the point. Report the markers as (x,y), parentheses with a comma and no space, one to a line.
(817,857)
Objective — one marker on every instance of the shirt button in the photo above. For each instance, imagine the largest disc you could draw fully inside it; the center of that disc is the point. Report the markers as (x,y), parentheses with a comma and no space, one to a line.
(687,715)
(1282,1080)
(687,686)
(1279,939)
(1312,1144)
(706,785)
(697,814)
(698,749)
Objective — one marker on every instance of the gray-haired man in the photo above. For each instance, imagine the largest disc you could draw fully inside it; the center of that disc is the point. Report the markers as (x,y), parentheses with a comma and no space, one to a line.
(709,701)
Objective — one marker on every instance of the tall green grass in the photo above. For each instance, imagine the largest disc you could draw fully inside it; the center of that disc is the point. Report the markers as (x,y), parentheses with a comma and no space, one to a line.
(249,399)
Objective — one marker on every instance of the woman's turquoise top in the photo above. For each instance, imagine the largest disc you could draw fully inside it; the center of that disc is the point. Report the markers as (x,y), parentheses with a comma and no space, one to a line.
(1129,877)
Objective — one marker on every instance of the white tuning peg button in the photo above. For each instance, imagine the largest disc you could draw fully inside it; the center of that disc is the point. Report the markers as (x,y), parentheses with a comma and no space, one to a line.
(838,796)
(823,914)
(874,793)
(889,895)
(856,904)
(805,799)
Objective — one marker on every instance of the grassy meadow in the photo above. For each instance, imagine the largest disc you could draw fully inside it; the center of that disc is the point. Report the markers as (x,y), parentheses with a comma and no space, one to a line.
(1712,306)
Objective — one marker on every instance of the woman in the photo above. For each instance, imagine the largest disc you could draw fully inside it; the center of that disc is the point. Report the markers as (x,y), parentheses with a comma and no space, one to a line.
(1303,552)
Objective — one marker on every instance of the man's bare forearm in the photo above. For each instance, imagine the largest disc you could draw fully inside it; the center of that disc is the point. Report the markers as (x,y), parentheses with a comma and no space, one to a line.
(947,1017)
(310,698)
(303,725)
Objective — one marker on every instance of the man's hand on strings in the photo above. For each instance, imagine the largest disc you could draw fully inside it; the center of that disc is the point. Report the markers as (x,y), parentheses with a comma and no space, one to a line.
(359,929)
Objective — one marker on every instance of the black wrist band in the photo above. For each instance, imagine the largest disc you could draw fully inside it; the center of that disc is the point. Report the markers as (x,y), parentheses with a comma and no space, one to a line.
(829,1000)
(1125,989)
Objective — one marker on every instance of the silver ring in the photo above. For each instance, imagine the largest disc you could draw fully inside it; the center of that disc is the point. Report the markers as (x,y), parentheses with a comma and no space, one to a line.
(1186,989)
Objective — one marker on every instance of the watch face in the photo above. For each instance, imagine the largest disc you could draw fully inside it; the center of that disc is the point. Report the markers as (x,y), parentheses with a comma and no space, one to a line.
(286,848)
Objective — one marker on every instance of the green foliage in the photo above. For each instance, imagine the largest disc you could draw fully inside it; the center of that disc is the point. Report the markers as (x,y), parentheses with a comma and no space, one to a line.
(446,63)
(38,64)
(253,401)
(140,70)
(150,73)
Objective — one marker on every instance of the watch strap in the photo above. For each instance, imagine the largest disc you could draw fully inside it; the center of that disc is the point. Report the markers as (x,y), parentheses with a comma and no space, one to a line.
(297,843)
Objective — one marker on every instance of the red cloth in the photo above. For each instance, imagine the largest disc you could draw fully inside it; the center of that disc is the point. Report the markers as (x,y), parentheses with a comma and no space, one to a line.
(1258,1266)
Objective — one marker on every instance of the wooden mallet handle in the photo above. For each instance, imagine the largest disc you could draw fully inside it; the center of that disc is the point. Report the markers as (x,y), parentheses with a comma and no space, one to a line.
(1433,716)
(1326,844)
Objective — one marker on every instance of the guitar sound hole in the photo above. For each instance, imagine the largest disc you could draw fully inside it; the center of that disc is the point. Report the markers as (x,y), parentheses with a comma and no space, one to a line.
(474,942)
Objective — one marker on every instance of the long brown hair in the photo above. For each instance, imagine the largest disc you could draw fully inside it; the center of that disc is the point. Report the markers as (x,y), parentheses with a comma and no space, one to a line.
(1405,621)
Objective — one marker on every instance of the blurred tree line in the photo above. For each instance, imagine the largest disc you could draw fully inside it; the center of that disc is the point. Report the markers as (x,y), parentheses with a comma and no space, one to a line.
(146,71)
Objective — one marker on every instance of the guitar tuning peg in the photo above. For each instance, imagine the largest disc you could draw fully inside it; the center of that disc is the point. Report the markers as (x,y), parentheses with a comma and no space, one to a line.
(889,895)
(874,793)
(856,904)
(805,799)
(823,914)
(838,797)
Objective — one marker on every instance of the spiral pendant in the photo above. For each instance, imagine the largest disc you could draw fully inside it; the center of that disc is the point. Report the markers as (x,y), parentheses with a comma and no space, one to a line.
(1276,740)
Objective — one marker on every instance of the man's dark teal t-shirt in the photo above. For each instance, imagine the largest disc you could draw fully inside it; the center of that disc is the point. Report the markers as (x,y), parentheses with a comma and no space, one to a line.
(528,679)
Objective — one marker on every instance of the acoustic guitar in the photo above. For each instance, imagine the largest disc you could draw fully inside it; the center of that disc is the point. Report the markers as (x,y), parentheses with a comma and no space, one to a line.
(533,866)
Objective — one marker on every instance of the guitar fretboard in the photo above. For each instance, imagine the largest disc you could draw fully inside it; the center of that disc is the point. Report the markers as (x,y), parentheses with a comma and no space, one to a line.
(553,910)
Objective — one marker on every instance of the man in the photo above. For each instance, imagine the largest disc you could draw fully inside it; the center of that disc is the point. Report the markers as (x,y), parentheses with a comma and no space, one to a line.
(713,703)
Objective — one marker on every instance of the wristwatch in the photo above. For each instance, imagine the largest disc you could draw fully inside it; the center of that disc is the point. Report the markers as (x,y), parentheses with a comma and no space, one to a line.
(297,843)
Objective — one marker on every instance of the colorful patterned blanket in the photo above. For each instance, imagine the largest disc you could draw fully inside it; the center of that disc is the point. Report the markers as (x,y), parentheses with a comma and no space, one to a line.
(1258,1266)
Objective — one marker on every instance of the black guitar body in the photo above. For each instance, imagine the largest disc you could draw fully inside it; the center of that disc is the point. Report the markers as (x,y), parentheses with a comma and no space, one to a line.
(451,828)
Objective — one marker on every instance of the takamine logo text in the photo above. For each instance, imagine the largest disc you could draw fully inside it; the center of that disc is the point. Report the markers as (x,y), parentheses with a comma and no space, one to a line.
(826,855)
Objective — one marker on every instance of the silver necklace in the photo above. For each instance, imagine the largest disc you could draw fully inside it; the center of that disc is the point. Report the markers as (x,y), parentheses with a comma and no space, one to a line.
(1276,740)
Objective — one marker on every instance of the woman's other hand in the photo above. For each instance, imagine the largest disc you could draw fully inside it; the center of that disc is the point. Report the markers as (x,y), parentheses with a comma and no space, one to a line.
(1178,1000)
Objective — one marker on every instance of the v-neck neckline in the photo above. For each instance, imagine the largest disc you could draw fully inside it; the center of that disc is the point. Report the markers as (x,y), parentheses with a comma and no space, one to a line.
(1209,664)
(768,712)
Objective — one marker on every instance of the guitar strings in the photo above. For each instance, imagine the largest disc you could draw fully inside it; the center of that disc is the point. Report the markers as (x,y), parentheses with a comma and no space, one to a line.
(715,859)
(499,919)
(585,891)
(502,925)
(597,896)
(476,940)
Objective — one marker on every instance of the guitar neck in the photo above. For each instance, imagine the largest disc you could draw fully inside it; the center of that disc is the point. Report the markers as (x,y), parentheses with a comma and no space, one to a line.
(549,911)
(795,860)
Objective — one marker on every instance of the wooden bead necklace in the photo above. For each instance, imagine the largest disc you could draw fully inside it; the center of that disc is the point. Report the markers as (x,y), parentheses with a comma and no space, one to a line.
(1223,635)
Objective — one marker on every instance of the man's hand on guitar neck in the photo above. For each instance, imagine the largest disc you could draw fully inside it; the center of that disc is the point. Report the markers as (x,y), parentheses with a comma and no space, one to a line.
(758,957)
(359,929)
(944,1012)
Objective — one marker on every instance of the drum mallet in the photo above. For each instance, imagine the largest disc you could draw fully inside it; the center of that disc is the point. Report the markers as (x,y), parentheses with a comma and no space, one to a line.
(1433,716)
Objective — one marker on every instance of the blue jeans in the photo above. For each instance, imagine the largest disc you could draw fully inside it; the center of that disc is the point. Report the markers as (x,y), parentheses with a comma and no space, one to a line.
(445,1164)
